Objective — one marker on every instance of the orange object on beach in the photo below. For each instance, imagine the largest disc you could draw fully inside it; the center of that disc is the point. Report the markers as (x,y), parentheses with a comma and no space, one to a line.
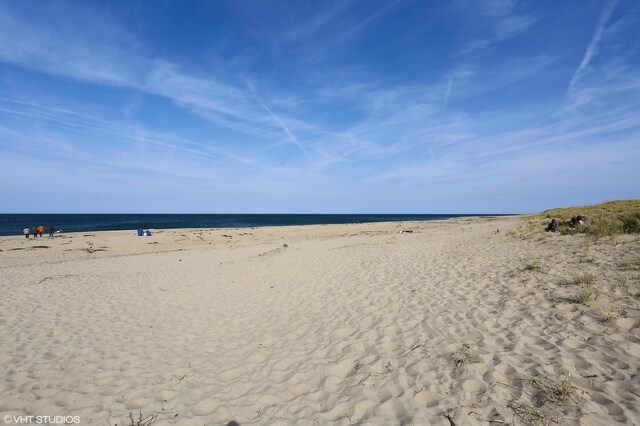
(41,229)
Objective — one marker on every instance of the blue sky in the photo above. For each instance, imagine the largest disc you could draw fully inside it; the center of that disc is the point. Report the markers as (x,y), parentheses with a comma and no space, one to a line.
(318,106)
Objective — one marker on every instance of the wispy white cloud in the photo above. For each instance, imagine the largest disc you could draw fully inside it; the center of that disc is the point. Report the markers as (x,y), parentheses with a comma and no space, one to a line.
(84,45)
(358,27)
(131,109)
(593,47)
(281,123)
(447,92)
(135,136)
(306,27)
(491,22)
(101,58)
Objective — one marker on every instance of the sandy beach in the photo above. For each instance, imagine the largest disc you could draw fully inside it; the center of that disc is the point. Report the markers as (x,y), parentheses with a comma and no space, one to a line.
(458,322)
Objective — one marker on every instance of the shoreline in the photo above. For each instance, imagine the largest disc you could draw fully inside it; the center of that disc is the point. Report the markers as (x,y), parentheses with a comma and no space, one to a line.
(59,221)
(127,242)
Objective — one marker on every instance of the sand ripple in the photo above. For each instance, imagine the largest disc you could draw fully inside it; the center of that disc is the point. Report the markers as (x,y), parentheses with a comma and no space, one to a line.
(355,329)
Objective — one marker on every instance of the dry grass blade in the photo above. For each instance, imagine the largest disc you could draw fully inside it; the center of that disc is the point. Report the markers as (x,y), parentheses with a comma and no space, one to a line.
(464,356)
(612,313)
(529,414)
(632,265)
(142,421)
(622,283)
(560,391)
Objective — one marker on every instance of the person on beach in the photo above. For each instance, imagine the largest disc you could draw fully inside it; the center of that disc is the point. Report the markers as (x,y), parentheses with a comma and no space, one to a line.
(35,232)
(40,230)
(554,226)
(577,221)
(52,231)
(25,231)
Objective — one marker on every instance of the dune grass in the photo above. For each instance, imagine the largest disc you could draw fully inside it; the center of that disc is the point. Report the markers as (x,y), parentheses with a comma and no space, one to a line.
(585,279)
(603,220)
(587,295)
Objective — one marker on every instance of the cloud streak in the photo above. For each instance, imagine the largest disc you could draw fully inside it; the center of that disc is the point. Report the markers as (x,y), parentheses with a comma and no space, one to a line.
(593,47)
(492,22)
(280,123)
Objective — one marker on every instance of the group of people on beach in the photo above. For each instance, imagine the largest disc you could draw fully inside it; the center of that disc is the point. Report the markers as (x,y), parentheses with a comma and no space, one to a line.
(38,231)
(575,222)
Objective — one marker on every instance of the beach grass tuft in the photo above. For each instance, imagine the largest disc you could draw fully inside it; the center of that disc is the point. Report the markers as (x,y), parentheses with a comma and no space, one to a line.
(548,394)
(587,295)
(585,279)
(622,283)
(632,265)
(529,414)
(585,256)
(464,356)
(533,266)
(612,313)
(557,391)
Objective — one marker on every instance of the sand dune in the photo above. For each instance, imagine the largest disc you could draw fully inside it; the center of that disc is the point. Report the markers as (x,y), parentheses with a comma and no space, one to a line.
(344,324)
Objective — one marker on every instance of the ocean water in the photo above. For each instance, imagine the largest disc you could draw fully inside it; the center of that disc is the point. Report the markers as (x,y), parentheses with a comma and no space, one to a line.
(13,224)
